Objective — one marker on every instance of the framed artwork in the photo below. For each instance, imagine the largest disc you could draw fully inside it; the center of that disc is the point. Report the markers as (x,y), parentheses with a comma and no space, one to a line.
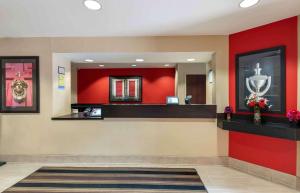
(61,77)
(19,84)
(125,89)
(61,70)
(262,72)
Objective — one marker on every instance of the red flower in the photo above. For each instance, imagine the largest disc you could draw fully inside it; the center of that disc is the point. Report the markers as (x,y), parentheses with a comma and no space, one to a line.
(251,104)
(262,103)
(298,116)
(293,115)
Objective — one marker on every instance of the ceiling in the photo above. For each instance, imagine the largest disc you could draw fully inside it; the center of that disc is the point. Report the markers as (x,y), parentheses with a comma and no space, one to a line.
(123,65)
(125,60)
(54,18)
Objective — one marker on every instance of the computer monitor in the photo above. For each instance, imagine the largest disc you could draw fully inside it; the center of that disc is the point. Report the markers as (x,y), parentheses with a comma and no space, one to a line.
(172,100)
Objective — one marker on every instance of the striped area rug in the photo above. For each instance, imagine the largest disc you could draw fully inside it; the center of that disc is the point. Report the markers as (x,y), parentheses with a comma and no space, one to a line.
(117,180)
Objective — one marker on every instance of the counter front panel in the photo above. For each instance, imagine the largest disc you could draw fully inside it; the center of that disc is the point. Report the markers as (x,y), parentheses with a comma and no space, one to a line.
(147,111)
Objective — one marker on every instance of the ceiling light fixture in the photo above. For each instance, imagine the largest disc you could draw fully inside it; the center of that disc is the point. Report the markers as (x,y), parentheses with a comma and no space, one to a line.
(248,3)
(89,60)
(92,4)
(140,60)
(133,65)
(191,59)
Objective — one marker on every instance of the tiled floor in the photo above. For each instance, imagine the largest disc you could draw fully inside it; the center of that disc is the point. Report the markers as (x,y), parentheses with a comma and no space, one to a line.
(218,179)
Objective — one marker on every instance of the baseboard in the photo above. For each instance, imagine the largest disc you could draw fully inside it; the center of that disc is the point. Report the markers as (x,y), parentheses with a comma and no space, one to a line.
(116,159)
(265,173)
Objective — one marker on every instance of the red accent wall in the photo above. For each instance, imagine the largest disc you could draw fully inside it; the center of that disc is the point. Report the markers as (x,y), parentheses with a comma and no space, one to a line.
(93,84)
(278,154)
(273,153)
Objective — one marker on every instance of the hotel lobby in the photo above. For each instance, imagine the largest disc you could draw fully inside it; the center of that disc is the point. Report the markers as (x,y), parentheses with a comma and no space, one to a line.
(137,96)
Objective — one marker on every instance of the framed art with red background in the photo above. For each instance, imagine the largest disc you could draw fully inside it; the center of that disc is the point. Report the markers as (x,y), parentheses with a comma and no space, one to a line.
(19,84)
(125,89)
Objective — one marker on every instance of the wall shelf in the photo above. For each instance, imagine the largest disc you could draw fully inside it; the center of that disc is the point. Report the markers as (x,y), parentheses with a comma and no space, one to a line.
(277,129)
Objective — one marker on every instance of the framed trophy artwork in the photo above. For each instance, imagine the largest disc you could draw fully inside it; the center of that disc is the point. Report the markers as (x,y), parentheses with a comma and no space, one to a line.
(125,89)
(19,84)
(262,72)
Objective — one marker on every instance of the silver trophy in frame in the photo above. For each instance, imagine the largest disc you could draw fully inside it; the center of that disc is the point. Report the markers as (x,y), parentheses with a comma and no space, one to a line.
(256,82)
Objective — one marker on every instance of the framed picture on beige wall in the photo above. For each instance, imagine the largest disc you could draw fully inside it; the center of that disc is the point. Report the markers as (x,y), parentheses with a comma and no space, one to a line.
(19,84)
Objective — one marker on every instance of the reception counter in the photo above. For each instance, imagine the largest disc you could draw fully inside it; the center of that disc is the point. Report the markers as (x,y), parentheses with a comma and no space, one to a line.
(143,111)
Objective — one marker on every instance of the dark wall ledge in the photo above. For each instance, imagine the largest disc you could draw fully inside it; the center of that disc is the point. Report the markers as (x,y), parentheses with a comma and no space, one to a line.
(271,127)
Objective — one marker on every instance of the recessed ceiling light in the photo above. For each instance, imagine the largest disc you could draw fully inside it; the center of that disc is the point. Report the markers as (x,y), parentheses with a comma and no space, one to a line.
(248,3)
(167,65)
(101,65)
(92,4)
(140,60)
(191,59)
(89,60)
(133,65)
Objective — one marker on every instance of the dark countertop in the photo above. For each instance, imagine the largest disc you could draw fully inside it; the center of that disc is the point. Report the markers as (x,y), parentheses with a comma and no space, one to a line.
(78,116)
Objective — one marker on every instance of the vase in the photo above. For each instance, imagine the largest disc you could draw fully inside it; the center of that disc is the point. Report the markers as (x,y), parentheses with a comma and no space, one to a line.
(298,123)
(292,123)
(228,116)
(257,116)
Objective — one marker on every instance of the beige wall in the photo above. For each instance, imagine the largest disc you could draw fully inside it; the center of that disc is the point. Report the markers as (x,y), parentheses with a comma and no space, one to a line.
(181,71)
(211,87)
(36,134)
(73,84)
(61,97)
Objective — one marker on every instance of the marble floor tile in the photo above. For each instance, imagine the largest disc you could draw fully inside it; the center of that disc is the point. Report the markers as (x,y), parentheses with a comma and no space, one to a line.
(217,179)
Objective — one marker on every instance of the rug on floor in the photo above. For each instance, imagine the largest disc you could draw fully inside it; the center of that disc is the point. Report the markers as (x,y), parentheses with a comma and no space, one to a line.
(2,163)
(117,180)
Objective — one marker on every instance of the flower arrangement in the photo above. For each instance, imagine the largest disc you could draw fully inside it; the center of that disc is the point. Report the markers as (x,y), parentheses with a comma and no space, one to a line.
(228,109)
(293,116)
(228,112)
(257,104)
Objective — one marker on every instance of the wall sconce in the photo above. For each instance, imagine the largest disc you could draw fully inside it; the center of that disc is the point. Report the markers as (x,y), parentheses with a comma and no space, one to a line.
(210,76)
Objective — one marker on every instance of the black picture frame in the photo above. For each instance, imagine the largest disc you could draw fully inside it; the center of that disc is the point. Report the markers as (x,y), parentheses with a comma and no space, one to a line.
(112,98)
(61,70)
(35,108)
(281,50)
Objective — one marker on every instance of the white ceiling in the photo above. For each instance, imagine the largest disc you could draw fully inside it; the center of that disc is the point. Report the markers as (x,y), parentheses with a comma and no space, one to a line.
(125,60)
(123,65)
(39,18)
